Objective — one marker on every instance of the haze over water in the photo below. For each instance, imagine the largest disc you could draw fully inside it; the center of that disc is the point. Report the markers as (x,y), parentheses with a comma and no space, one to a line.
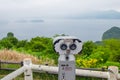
(85,29)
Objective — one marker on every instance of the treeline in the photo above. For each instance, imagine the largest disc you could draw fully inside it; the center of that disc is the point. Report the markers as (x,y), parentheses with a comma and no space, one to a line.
(36,44)
(104,53)
(41,47)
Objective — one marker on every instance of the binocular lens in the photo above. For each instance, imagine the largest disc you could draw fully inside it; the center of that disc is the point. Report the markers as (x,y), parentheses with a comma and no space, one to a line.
(63,46)
(73,46)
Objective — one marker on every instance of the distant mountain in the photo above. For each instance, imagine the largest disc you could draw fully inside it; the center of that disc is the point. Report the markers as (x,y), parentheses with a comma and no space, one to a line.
(114,32)
(111,14)
(30,21)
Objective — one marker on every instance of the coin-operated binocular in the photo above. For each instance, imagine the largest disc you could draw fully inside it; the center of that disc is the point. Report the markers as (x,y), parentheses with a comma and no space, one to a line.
(67,46)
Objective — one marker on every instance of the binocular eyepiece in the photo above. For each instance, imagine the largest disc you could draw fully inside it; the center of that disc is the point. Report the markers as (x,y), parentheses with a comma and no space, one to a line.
(67,44)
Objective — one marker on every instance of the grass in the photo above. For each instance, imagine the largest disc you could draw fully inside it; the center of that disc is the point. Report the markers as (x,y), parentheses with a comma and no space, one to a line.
(9,55)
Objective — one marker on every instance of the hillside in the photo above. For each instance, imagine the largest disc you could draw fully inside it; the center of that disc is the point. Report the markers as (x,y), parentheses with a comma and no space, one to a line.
(113,32)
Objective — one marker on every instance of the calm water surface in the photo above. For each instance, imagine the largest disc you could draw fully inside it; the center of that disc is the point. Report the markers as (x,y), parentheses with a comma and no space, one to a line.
(85,29)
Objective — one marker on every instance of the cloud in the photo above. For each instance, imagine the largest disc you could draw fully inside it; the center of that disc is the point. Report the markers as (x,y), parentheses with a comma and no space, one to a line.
(50,8)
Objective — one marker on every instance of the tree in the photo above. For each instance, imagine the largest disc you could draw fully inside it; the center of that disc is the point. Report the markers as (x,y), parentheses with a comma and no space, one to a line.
(114,46)
(21,43)
(5,44)
(38,47)
(101,53)
(57,35)
(88,48)
(9,41)
(39,44)
(10,34)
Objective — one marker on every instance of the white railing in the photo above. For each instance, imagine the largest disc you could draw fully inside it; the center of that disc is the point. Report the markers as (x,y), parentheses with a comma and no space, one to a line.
(28,67)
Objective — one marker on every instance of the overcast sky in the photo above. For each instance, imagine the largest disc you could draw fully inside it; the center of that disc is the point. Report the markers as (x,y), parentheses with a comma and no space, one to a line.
(50,8)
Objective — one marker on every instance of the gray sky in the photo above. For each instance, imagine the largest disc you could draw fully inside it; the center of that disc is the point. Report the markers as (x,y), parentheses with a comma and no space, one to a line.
(50,8)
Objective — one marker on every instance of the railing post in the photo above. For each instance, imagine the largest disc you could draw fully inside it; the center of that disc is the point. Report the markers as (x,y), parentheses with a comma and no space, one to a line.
(28,73)
(0,64)
(113,73)
(103,69)
(21,63)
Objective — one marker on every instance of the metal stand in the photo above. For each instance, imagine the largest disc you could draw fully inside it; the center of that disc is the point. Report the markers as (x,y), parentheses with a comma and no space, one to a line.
(66,67)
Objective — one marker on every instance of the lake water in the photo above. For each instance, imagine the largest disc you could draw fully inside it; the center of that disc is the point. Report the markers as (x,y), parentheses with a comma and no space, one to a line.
(85,29)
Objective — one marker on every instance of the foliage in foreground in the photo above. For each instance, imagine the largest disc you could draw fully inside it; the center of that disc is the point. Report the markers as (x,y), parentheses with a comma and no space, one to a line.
(98,55)
(92,55)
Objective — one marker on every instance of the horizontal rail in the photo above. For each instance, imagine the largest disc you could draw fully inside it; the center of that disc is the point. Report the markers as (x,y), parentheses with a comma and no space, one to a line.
(9,62)
(94,69)
(79,72)
(90,73)
(111,73)
(15,73)
(49,69)
(10,69)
